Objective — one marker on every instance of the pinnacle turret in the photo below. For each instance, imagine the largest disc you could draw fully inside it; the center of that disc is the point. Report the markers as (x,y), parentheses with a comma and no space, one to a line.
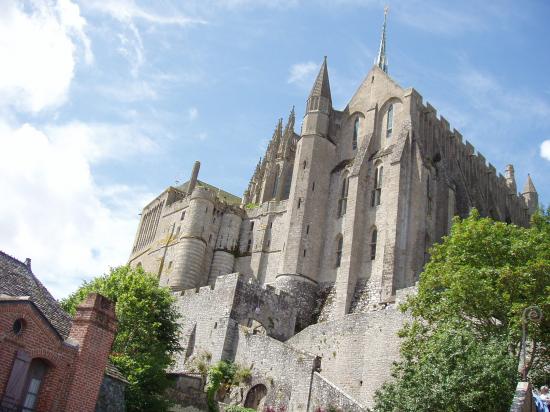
(529,187)
(321,87)
(382,59)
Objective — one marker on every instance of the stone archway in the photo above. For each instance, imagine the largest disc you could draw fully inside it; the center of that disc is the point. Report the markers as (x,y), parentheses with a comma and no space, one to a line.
(255,397)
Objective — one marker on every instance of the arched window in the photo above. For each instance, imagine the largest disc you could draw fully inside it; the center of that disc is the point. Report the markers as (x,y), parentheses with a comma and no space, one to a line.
(373,241)
(389,122)
(355,134)
(24,383)
(339,247)
(343,201)
(275,183)
(377,190)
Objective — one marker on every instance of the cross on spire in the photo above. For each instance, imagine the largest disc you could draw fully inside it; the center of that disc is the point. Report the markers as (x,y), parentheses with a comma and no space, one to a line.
(382,59)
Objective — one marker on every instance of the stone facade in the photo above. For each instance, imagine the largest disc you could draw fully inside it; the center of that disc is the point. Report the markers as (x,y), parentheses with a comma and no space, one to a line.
(335,226)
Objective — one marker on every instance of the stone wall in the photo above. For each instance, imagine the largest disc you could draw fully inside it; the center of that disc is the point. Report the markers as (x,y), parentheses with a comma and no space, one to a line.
(325,396)
(356,351)
(285,371)
(111,396)
(209,313)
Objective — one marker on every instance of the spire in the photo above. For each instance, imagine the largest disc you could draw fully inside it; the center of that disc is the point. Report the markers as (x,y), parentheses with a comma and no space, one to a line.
(529,186)
(321,87)
(382,59)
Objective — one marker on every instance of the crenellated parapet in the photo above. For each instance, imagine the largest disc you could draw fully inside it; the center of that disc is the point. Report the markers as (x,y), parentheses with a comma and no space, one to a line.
(467,170)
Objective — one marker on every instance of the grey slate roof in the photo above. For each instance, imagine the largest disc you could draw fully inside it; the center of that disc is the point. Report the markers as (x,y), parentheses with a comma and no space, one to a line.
(17,279)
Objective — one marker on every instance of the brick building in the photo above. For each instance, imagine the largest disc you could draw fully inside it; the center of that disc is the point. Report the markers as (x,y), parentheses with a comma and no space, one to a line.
(48,361)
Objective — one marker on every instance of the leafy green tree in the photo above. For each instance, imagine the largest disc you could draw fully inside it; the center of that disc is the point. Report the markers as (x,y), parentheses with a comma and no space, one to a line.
(461,350)
(147,335)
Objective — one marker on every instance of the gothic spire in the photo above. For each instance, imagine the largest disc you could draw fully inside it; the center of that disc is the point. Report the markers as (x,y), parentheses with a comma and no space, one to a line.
(321,87)
(382,59)
(529,186)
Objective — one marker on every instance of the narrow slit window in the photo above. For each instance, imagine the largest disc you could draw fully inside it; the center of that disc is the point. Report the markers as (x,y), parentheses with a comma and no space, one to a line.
(374,239)
(339,247)
(376,196)
(355,134)
(343,201)
(389,122)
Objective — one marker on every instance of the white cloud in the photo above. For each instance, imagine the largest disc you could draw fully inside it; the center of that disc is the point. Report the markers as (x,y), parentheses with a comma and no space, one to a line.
(128,10)
(38,52)
(55,212)
(545,150)
(302,73)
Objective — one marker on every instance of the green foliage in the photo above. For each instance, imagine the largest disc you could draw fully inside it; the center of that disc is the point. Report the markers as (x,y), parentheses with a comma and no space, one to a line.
(147,335)
(223,375)
(250,206)
(461,350)
(238,408)
(200,363)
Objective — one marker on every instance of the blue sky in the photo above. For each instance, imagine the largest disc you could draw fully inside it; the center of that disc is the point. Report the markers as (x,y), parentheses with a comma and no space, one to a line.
(105,103)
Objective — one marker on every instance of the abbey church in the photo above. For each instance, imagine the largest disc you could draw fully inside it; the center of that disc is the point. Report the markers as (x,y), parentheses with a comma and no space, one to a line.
(301,277)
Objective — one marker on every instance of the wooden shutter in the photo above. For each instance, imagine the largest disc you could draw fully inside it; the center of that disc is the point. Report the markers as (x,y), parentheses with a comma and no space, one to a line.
(16,382)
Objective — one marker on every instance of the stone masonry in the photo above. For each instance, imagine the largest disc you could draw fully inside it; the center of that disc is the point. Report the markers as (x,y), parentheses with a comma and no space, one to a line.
(335,226)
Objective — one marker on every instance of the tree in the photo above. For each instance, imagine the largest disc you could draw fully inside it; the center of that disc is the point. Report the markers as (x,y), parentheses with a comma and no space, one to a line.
(461,349)
(147,335)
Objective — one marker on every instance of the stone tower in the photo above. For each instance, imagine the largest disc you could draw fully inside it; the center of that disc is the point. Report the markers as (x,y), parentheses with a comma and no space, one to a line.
(530,196)
(299,265)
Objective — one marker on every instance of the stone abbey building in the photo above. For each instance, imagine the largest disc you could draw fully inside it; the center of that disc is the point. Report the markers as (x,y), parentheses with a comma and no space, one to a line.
(300,278)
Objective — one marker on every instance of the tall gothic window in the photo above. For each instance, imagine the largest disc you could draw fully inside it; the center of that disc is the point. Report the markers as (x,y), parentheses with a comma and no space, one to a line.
(355,134)
(339,247)
(373,240)
(377,190)
(389,122)
(343,201)
(275,182)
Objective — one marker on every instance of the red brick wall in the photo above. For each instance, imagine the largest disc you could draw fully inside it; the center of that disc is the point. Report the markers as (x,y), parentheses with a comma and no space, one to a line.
(39,341)
(94,328)
(75,370)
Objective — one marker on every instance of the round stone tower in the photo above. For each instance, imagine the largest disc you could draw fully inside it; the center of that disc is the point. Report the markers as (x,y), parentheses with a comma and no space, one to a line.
(192,244)
(226,245)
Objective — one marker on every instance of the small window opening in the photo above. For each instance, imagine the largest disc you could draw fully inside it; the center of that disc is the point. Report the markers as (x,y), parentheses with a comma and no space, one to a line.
(374,239)
(355,134)
(313,187)
(343,201)
(18,326)
(307,230)
(170,265)
(339,247)
(248,245)
(377,191)
(299,202)
(251,226)
(182,215)
(305,164)
(389,122)
(304,253)
(206,210)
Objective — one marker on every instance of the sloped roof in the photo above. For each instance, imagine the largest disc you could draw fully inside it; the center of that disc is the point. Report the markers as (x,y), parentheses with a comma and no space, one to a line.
(17,279)
(220,194)
(321,87)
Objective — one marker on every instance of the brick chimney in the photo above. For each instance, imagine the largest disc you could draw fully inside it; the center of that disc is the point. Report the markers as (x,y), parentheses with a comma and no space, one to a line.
(93,329)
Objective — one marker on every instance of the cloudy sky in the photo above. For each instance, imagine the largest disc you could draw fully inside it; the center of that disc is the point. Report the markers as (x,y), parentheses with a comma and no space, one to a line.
(104,103)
